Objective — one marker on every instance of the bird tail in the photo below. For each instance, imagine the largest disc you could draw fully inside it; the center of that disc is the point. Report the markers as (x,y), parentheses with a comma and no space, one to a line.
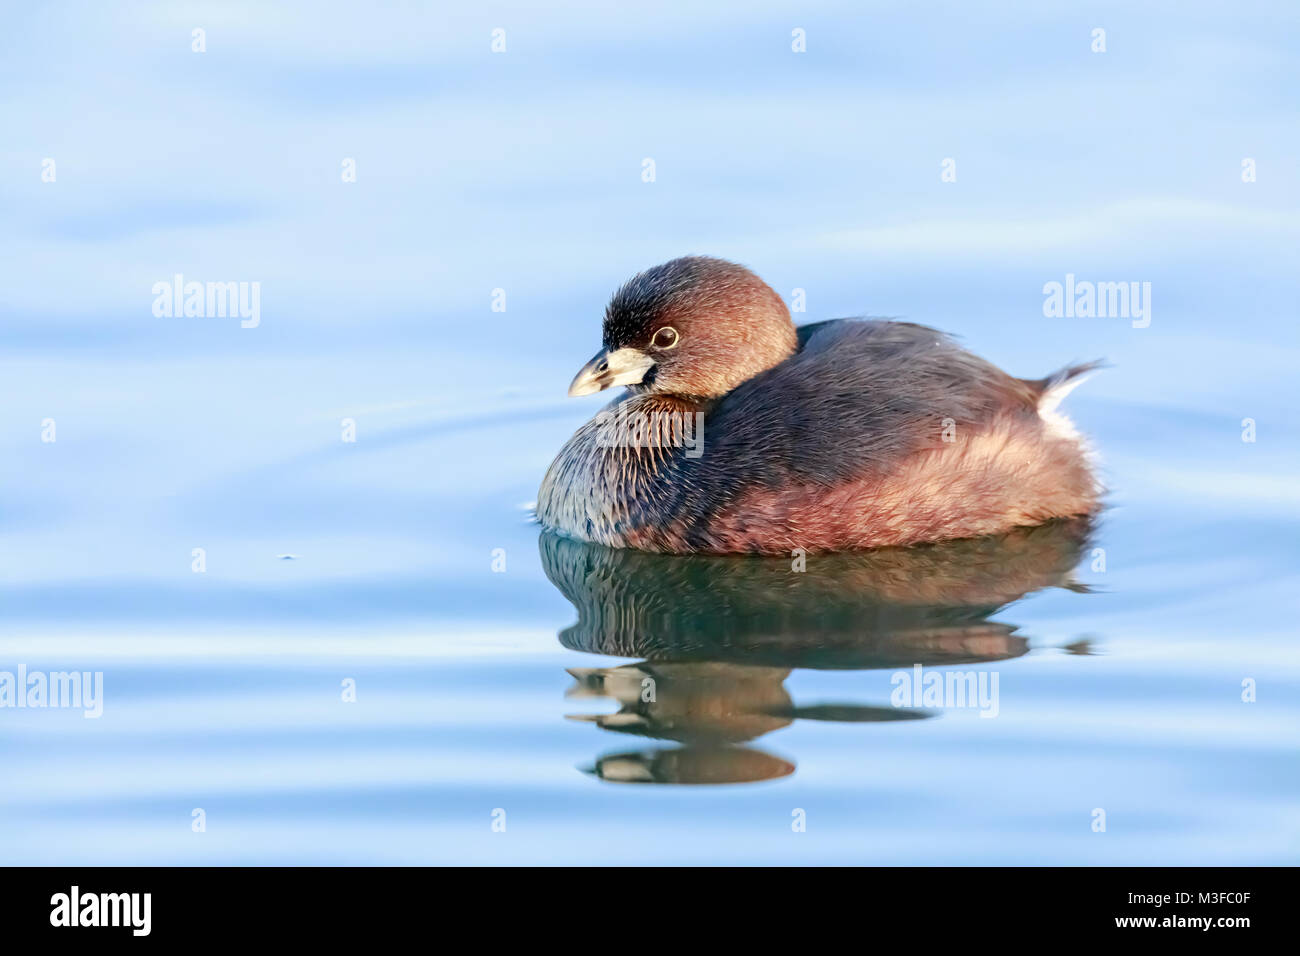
(1053,389)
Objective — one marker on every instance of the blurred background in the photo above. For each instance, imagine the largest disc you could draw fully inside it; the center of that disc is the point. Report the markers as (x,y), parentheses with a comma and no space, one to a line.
(518,178)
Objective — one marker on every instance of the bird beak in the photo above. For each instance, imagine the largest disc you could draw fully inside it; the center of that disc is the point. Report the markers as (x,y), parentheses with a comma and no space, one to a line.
(620,367)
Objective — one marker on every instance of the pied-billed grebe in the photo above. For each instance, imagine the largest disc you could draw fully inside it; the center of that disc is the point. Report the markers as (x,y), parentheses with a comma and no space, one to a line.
(742,433)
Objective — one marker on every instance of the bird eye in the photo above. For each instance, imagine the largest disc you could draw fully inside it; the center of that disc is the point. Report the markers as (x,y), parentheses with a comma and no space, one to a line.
(665,338)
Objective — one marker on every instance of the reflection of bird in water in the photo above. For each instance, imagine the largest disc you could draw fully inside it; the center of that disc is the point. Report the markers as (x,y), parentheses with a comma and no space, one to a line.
(709,707)
(691,765)
(888,608)
(707,703)
(720,634)
(694,703)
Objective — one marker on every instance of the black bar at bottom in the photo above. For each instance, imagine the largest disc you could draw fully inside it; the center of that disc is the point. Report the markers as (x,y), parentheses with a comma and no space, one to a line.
(333,904)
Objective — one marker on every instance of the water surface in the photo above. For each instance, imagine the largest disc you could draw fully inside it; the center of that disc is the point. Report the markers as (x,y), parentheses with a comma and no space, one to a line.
(499,669)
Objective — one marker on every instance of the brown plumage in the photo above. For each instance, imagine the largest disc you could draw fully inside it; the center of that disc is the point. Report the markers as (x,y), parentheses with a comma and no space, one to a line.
(741,433)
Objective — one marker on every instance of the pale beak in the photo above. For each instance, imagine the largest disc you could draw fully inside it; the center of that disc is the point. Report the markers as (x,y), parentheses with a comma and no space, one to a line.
(620,367)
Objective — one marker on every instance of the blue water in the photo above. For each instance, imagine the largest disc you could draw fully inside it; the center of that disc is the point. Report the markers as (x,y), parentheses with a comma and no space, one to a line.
(417,573)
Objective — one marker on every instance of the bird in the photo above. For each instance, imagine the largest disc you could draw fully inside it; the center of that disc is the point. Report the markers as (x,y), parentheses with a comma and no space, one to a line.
(739,432)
